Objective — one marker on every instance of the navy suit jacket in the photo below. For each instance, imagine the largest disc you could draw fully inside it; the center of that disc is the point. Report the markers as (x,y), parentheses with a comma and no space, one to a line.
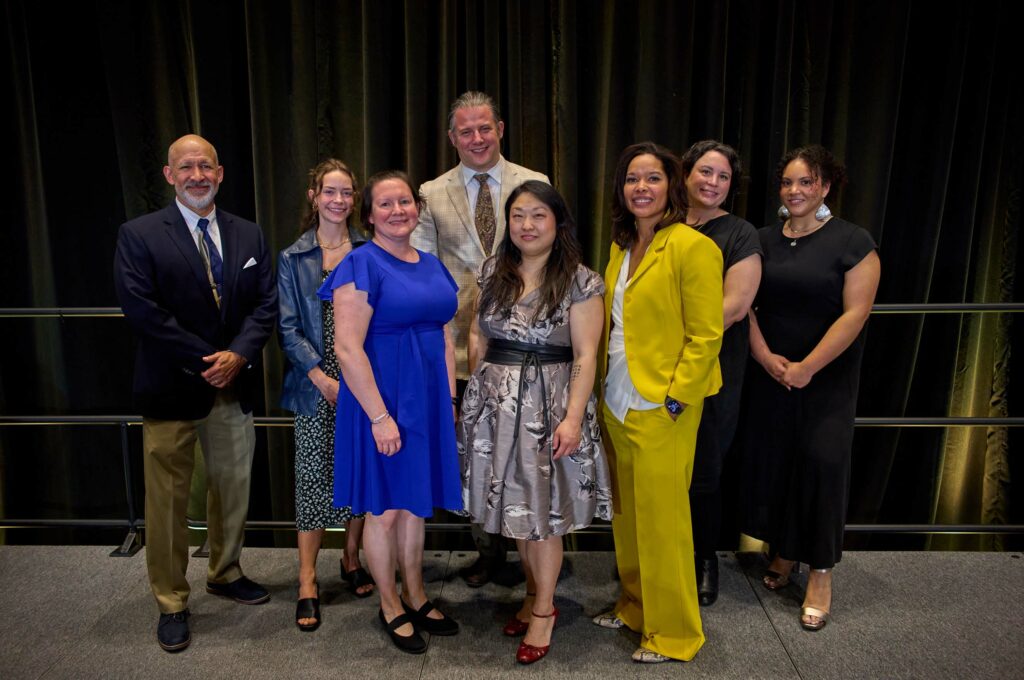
(165,295)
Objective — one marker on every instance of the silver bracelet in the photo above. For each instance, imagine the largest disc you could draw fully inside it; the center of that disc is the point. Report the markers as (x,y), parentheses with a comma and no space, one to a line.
(381,418)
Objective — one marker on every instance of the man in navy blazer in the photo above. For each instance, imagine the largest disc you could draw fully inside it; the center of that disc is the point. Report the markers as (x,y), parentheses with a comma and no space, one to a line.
(197,287)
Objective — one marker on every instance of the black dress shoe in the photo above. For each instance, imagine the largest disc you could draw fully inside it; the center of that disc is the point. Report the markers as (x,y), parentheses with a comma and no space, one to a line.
(707,581)
(172,632)
(411,644)
(479,573)
(242,590)
(445,625)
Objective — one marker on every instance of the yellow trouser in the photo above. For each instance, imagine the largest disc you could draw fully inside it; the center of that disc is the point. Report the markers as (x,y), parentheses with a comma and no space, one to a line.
(652,464)
(228,442)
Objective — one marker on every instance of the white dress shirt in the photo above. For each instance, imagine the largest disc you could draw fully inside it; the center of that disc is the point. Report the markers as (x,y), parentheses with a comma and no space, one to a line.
(192,220)
(473,187)
(620,393)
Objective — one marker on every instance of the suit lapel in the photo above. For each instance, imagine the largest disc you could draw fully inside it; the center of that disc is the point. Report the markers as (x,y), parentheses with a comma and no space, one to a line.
(611,275)
(231,254)
(652,255)
(179,234)
(460,202)
(509,180)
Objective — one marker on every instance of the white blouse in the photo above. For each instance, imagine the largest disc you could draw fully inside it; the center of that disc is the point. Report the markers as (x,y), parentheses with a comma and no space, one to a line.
(620,394)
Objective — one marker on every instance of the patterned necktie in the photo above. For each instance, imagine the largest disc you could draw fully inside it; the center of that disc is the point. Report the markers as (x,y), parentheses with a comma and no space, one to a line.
(211,258)
(484,217)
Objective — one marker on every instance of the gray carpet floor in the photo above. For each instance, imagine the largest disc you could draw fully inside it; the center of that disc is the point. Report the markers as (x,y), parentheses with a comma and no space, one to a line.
(74,612)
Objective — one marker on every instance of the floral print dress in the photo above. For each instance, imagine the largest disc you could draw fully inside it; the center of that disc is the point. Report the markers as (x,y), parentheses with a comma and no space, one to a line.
(510,484)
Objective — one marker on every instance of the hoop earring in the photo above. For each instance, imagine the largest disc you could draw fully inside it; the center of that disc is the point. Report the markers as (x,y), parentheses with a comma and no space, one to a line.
(822,213)
(783,212)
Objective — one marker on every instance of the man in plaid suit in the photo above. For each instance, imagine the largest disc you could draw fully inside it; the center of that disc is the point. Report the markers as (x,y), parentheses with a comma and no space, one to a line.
(462,222)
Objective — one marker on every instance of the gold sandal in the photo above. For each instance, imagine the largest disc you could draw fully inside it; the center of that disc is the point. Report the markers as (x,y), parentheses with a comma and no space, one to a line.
(820,614)
(808,612)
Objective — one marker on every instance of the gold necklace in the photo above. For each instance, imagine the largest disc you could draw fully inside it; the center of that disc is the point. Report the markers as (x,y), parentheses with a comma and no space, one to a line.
(798,233)
(332,247)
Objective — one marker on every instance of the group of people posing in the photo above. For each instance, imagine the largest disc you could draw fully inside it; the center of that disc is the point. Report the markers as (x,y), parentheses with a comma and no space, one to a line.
(443,354)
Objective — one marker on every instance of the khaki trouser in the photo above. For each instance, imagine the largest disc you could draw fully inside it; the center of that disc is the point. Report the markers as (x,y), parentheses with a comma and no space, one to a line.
(228,440)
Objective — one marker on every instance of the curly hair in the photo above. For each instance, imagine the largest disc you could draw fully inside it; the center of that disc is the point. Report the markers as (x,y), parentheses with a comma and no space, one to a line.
(820,162)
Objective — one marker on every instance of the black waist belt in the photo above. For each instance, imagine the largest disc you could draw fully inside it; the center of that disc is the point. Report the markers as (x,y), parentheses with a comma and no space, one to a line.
(510,353)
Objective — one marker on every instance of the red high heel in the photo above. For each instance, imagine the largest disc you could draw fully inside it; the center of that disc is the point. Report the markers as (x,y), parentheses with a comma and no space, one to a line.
(516,626)
(527,653)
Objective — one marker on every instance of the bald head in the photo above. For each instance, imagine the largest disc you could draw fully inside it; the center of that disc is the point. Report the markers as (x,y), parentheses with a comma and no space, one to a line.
(193,169)
(190,143)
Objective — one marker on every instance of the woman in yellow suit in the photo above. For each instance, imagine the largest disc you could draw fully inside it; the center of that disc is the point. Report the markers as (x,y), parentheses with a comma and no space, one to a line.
(663,307)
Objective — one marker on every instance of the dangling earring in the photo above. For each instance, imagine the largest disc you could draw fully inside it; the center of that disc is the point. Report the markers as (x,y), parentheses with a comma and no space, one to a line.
(822,213)
(783,212)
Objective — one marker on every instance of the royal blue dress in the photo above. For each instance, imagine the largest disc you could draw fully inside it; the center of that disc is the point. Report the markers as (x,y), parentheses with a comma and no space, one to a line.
(411,301)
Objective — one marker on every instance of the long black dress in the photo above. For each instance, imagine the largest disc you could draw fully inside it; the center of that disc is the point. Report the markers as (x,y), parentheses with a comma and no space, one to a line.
(738,240)
(797,444)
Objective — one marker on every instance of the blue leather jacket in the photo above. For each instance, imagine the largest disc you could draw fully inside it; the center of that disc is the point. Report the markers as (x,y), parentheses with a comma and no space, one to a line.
(300,330)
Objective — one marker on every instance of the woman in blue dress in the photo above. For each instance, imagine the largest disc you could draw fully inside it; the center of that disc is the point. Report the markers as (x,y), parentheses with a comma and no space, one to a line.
(395,451)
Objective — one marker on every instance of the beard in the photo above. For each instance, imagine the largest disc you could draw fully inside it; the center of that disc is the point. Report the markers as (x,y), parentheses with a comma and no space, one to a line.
(201,203)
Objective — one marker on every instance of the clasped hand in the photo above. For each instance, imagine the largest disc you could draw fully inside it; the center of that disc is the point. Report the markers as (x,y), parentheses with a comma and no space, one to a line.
(788,373)
(226,365)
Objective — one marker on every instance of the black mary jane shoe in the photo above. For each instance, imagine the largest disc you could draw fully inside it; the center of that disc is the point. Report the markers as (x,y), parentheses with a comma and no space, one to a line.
(308,608)
(707,581)
(445,625)
(410,644)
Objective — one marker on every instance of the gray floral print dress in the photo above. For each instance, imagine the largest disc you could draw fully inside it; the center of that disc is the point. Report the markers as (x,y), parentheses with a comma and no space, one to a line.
(518,490)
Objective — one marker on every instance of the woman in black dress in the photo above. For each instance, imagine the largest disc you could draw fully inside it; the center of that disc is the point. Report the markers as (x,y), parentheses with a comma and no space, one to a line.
(709,168)
(806,333)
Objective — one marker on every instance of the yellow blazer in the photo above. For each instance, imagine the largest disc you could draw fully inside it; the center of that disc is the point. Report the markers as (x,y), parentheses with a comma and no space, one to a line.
(672,315)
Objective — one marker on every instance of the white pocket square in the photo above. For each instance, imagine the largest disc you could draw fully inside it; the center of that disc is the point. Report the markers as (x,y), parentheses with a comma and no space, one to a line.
(250,263)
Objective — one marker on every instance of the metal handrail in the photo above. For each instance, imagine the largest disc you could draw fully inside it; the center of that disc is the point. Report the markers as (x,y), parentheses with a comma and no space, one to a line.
(887,308)
(442,527)
(288,421)
(134,524)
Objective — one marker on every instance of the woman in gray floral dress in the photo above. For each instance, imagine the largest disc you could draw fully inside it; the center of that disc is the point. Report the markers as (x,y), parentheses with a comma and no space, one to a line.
(533,465)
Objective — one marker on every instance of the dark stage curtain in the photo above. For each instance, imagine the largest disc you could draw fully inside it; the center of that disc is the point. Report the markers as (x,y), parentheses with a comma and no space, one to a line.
(923,103)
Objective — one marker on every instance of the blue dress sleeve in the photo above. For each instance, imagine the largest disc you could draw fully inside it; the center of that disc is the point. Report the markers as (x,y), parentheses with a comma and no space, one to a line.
(359,268)
(447,274)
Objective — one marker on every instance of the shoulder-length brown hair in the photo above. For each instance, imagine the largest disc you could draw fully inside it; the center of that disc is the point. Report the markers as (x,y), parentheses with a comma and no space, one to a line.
(503,286)
(623,223)
(310,216)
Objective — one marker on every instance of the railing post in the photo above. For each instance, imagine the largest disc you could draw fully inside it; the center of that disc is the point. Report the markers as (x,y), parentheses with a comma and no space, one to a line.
(131,543)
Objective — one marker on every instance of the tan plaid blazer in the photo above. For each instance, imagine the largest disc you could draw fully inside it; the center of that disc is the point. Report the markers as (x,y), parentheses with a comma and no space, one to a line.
(447,230)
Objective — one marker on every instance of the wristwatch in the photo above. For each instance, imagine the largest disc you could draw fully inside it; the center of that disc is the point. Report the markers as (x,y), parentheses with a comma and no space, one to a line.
(674,407)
